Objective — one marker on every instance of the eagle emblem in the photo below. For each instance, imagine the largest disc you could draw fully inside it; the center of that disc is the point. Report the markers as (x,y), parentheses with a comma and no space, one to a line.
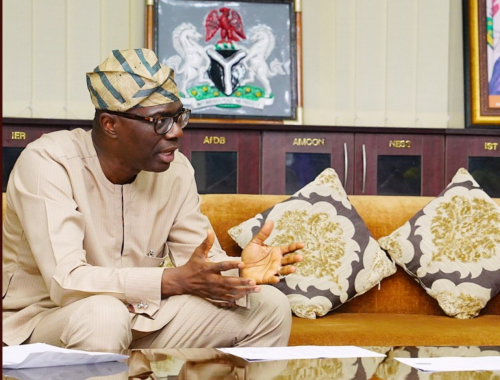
(228,21)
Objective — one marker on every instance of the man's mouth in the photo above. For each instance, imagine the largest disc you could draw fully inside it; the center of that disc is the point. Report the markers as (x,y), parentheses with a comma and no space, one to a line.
(167,156)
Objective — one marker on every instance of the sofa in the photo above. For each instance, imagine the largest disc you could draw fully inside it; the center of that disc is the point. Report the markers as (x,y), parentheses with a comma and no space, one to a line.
(397,313)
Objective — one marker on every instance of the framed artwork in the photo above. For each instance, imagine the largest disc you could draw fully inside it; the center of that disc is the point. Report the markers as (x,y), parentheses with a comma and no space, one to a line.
(234,61)
(482,62)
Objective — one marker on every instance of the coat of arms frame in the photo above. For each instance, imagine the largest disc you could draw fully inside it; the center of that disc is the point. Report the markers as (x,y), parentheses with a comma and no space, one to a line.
(234,61)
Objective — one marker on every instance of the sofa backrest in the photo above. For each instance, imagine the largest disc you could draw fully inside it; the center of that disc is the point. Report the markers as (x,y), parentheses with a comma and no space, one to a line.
(382,214)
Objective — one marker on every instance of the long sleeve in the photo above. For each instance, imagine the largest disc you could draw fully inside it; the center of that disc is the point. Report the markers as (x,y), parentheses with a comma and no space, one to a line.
(43,195)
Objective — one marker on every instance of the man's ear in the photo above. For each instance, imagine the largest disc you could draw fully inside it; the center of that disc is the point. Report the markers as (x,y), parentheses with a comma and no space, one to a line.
(107,122)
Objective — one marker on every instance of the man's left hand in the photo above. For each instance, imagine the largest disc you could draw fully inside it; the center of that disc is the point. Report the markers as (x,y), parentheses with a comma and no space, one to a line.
(264,264)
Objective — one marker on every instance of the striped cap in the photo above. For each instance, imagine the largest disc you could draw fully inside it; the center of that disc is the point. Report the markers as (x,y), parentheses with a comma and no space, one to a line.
(130,78)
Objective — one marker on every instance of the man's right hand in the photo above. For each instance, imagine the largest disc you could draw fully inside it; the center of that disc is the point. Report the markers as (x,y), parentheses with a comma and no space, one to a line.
(202,278)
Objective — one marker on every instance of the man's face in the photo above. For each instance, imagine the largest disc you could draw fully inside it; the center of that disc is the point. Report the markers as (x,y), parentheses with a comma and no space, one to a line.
(142,147)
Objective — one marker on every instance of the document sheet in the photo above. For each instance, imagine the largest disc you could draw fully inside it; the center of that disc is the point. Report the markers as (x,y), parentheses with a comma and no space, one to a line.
(299,352)
(44,355)
(448,364)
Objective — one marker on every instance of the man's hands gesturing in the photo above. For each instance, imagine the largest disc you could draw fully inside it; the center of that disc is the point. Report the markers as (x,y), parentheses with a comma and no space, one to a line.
(260,264)
(264,264)
(202,278)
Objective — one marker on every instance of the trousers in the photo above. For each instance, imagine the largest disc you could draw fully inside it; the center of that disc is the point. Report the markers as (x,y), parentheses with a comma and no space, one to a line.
(103,323)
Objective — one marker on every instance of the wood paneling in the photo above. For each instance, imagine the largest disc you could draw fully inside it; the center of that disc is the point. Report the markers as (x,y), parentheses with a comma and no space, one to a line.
(369,147)
(275,146)
(262,149)
(460,148)
(245,144)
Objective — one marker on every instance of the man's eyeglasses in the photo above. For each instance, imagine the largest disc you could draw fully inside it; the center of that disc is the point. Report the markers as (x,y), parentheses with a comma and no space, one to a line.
(162,125)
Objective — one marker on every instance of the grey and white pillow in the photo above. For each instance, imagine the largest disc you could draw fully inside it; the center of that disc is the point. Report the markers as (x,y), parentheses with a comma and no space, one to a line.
(452,247)
(341,258)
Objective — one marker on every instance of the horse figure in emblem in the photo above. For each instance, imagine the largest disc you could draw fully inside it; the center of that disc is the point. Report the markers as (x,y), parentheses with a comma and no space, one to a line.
(264,42)
(185,40)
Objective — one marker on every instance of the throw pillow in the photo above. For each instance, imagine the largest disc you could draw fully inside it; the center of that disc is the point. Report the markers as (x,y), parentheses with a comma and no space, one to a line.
(341,258)
(452,247)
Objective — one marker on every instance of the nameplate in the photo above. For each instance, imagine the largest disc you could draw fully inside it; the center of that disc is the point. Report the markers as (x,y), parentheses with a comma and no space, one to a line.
(215,140)
(18,135)
(490,146)
(400,144)
(308,142)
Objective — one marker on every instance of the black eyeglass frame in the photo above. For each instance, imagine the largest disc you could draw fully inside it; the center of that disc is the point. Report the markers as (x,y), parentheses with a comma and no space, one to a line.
(155,120)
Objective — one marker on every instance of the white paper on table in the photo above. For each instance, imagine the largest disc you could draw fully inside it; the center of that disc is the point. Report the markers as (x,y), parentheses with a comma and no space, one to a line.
(39,355)
(299,352)
(449,364)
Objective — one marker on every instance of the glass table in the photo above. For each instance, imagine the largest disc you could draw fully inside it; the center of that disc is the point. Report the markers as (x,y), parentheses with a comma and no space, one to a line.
(210,364)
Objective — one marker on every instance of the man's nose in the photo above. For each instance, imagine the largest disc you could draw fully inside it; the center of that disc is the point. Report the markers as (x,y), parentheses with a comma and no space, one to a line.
(175,132)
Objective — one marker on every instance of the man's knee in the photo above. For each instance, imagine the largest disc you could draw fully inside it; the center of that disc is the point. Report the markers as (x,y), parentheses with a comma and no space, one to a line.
(106,310)
(100,323)
(277,303)
(273,308)
(271,320)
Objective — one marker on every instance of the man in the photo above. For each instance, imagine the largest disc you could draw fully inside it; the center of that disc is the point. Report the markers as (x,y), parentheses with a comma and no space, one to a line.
(92,216)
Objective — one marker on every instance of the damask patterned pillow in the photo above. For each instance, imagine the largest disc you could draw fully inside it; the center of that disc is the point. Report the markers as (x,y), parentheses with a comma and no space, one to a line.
(452,247)
(341,258)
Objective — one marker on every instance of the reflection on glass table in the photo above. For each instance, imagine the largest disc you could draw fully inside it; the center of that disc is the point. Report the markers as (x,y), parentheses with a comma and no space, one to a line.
(210,364)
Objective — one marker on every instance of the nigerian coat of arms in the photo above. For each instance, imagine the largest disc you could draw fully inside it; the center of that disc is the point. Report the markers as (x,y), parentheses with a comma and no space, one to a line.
(224,65)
